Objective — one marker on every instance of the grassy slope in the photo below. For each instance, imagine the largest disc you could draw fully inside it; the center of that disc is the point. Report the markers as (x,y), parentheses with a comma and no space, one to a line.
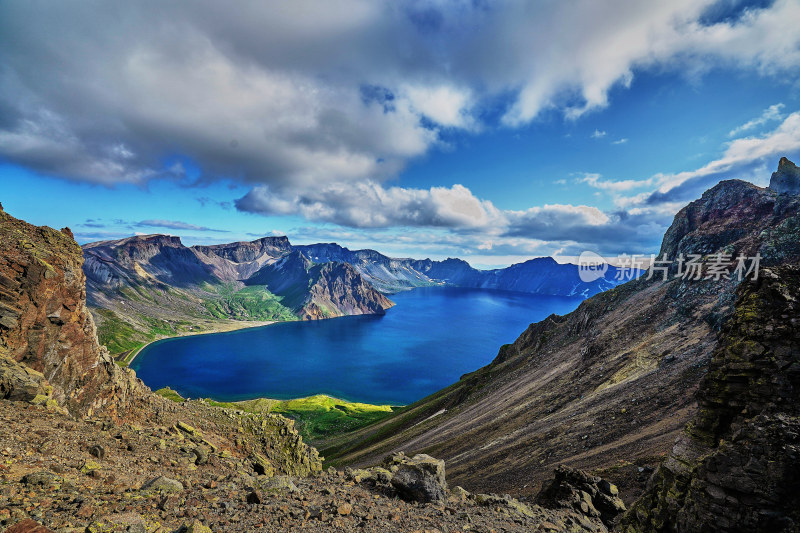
(125,335)
(317,416)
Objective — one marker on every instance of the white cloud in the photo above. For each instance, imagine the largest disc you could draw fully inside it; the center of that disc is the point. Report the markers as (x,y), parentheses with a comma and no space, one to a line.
(370,205)
(334,91)
(596,181)
(770,114)
(598,134)
(748,158)
(620,141)
(443,105)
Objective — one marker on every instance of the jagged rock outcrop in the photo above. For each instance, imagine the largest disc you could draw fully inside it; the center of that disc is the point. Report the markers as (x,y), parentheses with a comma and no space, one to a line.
(20,383)
(420,478)
(44,322)
(786,180)
(737,465)
(338,289)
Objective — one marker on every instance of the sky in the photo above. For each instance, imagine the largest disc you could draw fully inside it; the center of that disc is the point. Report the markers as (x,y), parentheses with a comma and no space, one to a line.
(491,131)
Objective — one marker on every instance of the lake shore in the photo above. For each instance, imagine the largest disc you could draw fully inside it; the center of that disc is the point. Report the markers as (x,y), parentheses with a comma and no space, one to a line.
(220,327)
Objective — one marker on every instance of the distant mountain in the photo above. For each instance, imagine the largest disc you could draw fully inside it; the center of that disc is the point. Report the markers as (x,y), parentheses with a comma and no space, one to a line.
(537,276)
(384,273)
(320,290)
(150,286)
(610,386)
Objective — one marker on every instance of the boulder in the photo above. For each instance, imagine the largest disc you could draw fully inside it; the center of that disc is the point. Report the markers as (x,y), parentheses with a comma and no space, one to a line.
(42,479)
(420,478)
(163,484)
(18,382)
(28,526)
(589,495)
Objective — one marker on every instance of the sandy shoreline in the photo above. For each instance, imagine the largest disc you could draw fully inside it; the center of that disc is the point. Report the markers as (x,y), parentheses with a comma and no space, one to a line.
(217,328)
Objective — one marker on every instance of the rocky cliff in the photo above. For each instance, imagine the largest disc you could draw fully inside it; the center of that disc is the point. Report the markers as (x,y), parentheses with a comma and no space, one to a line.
(46,328)
(785,180)
(610,384)
(736,467)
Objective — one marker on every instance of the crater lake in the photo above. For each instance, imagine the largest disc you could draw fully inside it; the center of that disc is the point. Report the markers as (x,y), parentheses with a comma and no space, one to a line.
(426,342)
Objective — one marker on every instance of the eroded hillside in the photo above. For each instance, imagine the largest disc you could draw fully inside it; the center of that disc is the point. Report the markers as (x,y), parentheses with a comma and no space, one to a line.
(612,383)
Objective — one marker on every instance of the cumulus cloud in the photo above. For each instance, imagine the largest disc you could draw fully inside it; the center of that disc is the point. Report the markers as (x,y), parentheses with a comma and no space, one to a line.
(369,205)
(323,92)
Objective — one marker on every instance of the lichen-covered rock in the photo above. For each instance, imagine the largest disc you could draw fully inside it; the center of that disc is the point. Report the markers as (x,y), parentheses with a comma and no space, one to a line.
(586,494)
(276,446)
(737,466)
(42,478)
(163,484)
(44,322)
(19,382)
(420,478)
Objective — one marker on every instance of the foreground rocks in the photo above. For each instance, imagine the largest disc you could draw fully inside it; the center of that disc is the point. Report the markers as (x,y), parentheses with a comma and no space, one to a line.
(148,480)
(419,479)
(587,494)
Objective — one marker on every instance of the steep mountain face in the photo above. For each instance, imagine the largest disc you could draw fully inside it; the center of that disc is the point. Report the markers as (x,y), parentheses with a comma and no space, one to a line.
(47,335)
(538,276)
(239,260)
(736,467)
(612,381)
(146,287)
(320,290)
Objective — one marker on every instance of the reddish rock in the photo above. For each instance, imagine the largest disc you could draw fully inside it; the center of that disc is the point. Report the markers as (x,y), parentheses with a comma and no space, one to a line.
(44,322)
(28,526)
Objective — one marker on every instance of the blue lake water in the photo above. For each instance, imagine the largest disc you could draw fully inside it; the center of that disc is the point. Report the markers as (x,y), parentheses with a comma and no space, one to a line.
(426,342)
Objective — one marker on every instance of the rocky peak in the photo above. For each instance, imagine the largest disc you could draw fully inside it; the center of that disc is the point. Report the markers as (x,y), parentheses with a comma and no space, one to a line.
(736,218)
(786,180)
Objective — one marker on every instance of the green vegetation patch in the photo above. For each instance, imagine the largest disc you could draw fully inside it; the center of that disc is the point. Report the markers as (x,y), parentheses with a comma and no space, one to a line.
(317,416)
(249,303)
(169,394)
(124,340)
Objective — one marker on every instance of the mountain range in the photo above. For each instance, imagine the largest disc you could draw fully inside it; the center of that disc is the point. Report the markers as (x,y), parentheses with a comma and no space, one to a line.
(147,287)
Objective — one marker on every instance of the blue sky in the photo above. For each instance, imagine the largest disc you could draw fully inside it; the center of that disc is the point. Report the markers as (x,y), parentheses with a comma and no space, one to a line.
(493,131)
